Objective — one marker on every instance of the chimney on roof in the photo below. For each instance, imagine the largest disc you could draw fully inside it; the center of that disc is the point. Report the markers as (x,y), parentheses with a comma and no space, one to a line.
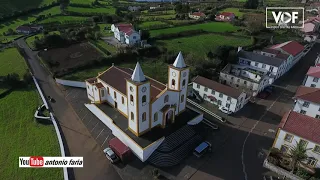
(239,48)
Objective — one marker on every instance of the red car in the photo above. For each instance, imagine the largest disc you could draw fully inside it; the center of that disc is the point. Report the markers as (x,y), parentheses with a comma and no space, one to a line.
(264,94)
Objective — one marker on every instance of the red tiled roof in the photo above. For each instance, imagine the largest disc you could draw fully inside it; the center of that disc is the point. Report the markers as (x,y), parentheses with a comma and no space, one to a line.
(91,80)
(308,93)
(226,14)
(227,90)
(276,52)
(314,72)
(301,125)
(99,85)
(291,47)
(198,14)
(117,76)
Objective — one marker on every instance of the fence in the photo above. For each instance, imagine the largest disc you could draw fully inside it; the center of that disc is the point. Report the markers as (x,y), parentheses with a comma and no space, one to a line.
(205,110)
(280,171)
(79,84)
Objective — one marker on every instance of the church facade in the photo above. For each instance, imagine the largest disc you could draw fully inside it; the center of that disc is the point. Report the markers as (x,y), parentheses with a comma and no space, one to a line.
(143,101)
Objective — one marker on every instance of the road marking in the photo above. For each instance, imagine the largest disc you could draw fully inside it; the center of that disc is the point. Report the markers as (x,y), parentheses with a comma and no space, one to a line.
(76,94)
(99,134)
(90,120)
(254,126)
(69,92)
(94,126)
(84,116)
(105,140)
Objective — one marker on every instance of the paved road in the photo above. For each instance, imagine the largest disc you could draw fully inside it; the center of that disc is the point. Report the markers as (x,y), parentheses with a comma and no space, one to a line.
(77,137)
(234,160)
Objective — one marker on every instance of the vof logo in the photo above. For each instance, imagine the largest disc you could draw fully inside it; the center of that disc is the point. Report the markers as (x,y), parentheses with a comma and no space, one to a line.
(285,17)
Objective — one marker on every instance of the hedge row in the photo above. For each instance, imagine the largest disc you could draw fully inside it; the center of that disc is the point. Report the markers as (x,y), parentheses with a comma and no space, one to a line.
(180,34)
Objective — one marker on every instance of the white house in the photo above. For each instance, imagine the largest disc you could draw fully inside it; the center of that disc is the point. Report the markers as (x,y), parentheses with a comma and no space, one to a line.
(219,94)
(312,77)
(277,59)
(225,16)
(125,33)
(251,79)
(295,128)
(142,102)
(134,8)
(197,15)
(307,101)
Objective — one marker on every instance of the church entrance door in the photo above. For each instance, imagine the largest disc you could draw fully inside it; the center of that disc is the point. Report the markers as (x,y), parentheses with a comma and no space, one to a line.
(169,117)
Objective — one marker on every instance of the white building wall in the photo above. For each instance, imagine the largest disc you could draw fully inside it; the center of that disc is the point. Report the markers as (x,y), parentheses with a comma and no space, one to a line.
(144,107)
(280,141)
(96,93)
(310,82)
(132,106)
(312,110)
(224,99)
(156,106)
(90,91)
(184,89)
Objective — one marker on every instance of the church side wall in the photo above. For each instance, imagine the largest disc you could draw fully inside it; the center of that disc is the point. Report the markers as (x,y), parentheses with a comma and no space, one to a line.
(144,107)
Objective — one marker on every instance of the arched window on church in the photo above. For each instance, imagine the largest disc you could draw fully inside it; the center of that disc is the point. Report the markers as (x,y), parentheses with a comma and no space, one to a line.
(166,98)
(122,99)
(132,116)
(173,83)
(108,90)
(144,100)
(131,100)
(144,116)
(183,83)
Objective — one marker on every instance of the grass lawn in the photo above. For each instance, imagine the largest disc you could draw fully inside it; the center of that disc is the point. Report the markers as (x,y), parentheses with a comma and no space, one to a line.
(109,10)
(30,40)
(155,69)
(6,39)
(234,10)
(63,19)
(81,1)
(202,44)
(8,6)
(105,32)
(13,24)
(22,136)
(148,24)
(107,47)
(210,27)
(150,18)
(12,62)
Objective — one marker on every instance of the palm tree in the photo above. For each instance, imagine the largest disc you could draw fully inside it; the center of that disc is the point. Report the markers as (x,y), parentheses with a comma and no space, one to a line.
(298,154)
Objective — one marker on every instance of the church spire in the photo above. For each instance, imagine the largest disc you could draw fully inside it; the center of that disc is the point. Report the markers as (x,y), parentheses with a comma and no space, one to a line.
(179,62)
(137,74)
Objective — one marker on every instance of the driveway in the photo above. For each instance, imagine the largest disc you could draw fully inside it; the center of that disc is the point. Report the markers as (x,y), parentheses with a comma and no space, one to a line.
(77,138)
(251,131)
(113,41)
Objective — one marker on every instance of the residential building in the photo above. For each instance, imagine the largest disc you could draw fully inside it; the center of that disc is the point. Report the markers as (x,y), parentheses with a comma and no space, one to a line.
(125,33)
(312,77)
(219,94)
(291,48)
(310,31)
(137,105)
(197,15)
(155,7)
(134,8)
(295,128)
(248,78)
(307,101)
(29,29)
(225,16)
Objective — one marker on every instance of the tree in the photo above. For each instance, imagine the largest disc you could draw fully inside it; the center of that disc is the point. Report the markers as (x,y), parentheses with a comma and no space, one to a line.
(251,4)
(88,36)
(64,4)
(97,35)
(210,55)
(107,19)
(145,34)
(10,31)
(298,154)
(118,12)
(222,52)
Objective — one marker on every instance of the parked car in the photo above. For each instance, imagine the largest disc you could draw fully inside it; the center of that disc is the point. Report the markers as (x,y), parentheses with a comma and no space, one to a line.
(111,155)
(264,94)
(202,149)
(225,110)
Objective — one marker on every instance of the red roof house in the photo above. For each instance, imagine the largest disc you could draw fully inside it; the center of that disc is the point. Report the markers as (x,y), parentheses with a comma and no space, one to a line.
(225,16)
(197,15)
(308,94)
(314,72)
(291,47)
(301,125)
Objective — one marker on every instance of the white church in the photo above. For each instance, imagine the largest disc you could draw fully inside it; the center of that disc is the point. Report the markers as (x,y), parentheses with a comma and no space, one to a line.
(144,102)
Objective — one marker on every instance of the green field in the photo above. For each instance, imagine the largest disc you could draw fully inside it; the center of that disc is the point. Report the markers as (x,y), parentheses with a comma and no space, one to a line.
(107,47)
(63,19)
(6,39)
(210,27)
(109,10)
(81,1)
(202,44)
(150,24)
(22,136)
(157,17)
(12,62)
(233,10)
(8,6)
(155,69)
(13,24)
(105,32)
(30,40)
